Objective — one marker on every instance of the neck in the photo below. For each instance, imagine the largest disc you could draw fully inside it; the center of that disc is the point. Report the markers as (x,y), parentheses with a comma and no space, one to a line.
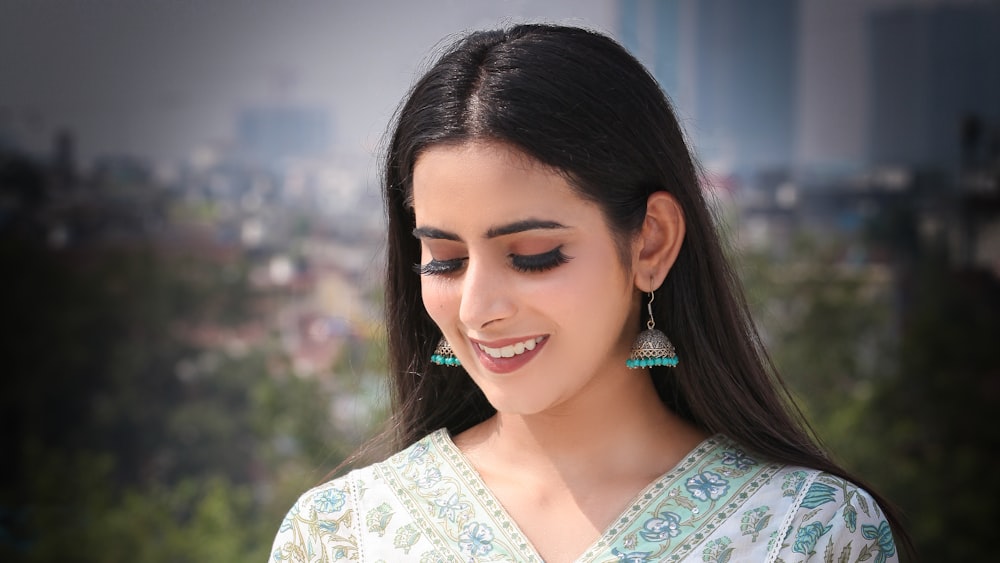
(625,428)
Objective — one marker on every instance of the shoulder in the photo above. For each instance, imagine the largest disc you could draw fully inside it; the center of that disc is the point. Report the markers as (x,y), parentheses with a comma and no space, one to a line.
(321,520)
(829,515)
(330,499)
(325,523)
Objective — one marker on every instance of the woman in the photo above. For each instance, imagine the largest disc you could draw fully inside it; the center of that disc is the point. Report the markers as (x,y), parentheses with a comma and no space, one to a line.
(545,225)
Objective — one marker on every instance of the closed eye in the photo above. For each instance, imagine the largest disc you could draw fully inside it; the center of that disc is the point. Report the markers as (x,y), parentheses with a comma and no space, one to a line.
(525,263)
(539,262)
(439,267)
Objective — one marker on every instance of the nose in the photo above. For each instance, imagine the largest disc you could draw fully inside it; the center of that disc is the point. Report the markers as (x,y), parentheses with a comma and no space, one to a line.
(487,296)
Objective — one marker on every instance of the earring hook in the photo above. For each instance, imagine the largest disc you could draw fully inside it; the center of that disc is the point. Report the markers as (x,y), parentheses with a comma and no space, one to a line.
(649,306)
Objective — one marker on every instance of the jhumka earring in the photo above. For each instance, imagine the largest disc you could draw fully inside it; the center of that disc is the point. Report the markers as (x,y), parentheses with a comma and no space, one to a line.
(652,347)
(444,355)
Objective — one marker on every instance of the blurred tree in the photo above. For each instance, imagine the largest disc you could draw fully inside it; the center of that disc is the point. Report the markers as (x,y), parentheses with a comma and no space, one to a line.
(897,368)
(936,416)
(829,330)
(124,437)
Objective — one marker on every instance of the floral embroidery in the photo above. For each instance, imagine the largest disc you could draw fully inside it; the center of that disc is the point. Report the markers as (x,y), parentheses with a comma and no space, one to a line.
(378,519)
(818,495)
(451,508)
(883,535)
(707,486)
(426,505)
(754,521)
(430,478)
(678,497)
(851,518)
(632,556)
(718,551)
(406,536)
(774,538)
(286,524)
(330,500)
(738,459)
(808,535)
(658,529)
(792,483)
(432,557)
(418,452)
(476,538)
(863,504)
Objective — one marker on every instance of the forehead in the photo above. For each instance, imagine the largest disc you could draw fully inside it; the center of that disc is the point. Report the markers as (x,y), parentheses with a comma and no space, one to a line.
(488,177)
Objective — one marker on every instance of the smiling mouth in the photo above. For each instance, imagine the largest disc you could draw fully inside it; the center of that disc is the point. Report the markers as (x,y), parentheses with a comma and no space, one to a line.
(511,350)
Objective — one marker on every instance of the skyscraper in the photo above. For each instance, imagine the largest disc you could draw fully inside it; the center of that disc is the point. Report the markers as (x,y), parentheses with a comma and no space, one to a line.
(730,68)
(273,133)
(933,68)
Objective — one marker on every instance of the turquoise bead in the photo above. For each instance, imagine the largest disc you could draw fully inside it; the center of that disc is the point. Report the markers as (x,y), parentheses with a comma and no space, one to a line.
(651,362)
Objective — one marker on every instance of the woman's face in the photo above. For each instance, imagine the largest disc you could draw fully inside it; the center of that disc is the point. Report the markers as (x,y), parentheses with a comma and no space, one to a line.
(522,276)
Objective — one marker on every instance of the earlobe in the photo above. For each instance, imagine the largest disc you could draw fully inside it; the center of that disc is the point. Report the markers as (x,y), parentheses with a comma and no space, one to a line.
(659,240)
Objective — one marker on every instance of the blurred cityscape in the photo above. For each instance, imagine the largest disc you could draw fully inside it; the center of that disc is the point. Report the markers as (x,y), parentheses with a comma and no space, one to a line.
(193,342)
(307,231)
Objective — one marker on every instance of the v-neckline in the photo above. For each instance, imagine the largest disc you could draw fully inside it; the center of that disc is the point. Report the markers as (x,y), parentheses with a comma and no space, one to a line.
(475,483)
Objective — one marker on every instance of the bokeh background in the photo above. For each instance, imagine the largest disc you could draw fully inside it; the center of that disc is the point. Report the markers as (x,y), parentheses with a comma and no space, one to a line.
(190,239)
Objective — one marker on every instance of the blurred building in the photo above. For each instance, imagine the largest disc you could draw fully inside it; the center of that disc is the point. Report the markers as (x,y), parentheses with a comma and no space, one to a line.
(933,67)
(271,135)
(653,31)
(729,66)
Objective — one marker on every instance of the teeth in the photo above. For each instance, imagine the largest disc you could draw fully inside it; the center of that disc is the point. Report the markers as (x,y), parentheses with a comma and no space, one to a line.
(512,350)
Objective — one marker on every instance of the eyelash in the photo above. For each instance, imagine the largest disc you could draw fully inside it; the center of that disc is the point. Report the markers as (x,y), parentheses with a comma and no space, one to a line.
(532,263)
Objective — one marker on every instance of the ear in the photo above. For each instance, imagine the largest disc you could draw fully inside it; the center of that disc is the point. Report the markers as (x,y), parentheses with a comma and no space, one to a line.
(659,241)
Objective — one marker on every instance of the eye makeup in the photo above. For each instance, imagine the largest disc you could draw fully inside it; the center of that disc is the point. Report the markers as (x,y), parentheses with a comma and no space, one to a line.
(439,267)
(525,263)
(539,262)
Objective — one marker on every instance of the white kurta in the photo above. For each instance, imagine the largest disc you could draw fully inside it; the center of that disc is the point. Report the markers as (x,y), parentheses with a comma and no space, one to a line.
(427,504)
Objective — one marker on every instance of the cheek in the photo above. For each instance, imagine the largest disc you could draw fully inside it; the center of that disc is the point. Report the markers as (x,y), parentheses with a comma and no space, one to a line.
(596,294)
(438,299)
(590,276)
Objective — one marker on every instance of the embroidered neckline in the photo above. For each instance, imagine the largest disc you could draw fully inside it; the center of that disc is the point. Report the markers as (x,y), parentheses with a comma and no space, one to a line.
(452,504)
(636,506)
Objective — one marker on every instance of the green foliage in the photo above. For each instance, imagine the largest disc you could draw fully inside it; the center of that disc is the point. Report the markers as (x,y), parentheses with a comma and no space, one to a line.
(937,415)
(898,373)
(84,519)
(828,327)
(126,439)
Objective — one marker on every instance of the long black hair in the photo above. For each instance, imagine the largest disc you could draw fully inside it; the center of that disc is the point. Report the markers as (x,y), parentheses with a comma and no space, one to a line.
(577,101)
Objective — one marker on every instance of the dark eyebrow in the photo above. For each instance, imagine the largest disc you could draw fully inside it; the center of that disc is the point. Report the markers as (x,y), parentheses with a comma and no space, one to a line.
(432,233)
(493,232)
(521,226)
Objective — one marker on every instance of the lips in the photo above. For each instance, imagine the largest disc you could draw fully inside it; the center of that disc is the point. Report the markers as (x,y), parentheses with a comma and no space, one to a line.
(508,356)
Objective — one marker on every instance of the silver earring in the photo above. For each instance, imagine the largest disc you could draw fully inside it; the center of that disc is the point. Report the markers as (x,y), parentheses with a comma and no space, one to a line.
(652,347)
(444,355)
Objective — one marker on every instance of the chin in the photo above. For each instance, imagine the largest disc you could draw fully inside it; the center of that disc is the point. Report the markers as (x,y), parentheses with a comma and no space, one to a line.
(519,406)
